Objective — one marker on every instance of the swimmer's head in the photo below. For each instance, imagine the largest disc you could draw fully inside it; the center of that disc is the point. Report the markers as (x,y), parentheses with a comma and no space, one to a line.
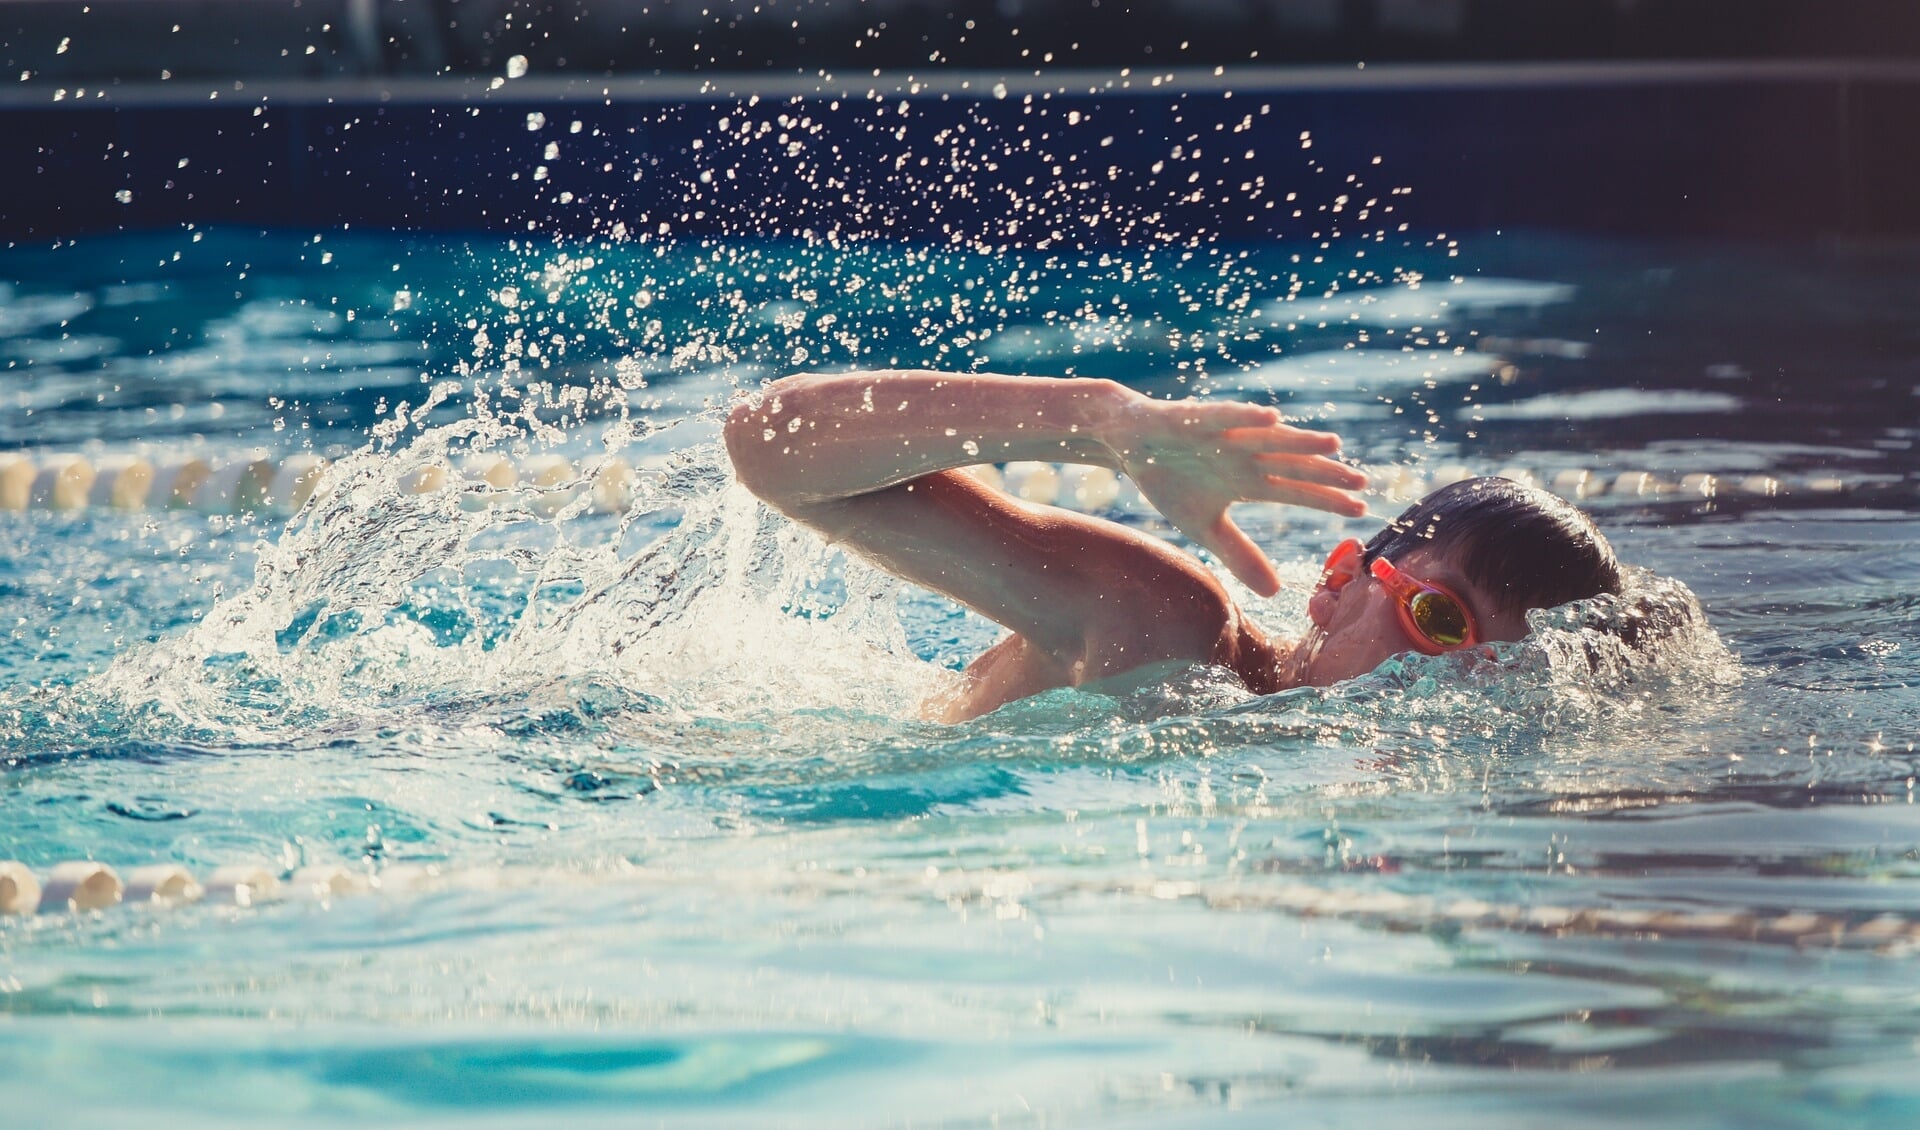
(1462,566)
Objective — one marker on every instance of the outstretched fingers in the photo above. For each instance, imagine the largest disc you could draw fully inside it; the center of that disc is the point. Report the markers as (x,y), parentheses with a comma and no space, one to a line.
(1313,496)
(1311,469)
(1282,439)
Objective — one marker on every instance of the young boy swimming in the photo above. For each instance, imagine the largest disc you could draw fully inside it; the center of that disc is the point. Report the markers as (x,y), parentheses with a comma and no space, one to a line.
(873,462)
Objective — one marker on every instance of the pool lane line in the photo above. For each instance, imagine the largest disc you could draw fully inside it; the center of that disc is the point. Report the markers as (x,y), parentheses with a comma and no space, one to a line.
(264,483)
(85,886)
(284,484)
(1095,488)
(82,886)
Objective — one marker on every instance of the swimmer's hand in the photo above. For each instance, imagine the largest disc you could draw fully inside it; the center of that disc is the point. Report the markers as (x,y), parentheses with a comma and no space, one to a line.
(1193,459)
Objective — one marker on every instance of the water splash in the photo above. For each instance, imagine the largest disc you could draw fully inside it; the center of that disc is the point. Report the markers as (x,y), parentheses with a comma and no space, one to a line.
(378,601)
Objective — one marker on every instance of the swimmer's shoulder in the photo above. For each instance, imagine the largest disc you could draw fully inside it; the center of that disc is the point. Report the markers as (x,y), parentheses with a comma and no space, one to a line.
(1251,652)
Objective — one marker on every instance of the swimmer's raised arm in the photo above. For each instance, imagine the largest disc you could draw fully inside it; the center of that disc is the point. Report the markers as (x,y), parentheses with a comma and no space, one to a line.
(811,442)
(871,460)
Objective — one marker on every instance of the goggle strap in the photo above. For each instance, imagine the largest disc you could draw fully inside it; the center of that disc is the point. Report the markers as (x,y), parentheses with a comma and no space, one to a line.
(1331,575)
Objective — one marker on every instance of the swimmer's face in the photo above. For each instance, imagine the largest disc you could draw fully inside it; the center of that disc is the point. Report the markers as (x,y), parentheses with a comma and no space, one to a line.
(1358,623)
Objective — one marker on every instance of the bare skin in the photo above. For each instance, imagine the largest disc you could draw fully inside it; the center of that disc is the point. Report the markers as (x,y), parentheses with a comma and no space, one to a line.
(872,461)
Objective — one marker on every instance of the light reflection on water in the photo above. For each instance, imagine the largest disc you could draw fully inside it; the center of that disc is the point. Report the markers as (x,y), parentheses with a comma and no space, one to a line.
(696,858)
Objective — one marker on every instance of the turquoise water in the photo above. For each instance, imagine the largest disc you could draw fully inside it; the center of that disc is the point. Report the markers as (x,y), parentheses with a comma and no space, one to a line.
(659,839)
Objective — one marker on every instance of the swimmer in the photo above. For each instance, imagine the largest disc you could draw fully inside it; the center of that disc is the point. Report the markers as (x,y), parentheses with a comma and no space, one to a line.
(873,461)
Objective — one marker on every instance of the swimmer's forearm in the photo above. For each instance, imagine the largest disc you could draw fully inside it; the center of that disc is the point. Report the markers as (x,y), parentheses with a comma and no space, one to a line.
(819,437)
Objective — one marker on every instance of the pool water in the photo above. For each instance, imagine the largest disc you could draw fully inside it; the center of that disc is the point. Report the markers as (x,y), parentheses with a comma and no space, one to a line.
(657,833)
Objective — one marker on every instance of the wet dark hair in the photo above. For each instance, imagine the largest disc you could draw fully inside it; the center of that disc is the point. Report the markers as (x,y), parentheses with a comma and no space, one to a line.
(1520,545)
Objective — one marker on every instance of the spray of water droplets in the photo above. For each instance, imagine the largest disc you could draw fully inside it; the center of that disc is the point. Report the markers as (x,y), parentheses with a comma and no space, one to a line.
(888,231)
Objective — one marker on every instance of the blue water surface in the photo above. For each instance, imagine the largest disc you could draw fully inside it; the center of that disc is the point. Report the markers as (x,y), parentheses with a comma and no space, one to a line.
(657,834)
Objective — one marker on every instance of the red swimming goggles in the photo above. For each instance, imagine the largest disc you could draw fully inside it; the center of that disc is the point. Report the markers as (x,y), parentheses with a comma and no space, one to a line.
(1435,618)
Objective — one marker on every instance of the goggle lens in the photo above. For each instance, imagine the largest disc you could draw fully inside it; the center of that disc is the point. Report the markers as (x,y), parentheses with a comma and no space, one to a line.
(1439,618)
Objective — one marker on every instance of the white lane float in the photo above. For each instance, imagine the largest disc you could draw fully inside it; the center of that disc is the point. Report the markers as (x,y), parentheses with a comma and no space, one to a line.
(553,478)
(178,480)
(61,483)
(1088,488)
(614,481)
(16,481)
(424,479)
(326,882)
(85,885)
(236,487)
(161,884)
(483,476)
(19,890)
(491,468)
(80,885)
(1633,484)
(121,482)
(297,480)
(1032,482)
(1575,484)
(242,884)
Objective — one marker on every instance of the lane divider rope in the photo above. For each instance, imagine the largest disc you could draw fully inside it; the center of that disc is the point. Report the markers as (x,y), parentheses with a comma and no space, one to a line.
(1096,488)
(80,886)
(84,886)
(259,482)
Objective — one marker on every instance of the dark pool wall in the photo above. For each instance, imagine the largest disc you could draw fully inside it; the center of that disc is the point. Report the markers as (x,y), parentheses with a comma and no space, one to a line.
(1756,149)
(93,42)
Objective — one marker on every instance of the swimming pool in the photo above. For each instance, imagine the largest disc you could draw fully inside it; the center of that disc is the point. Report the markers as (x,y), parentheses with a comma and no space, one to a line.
(656,834)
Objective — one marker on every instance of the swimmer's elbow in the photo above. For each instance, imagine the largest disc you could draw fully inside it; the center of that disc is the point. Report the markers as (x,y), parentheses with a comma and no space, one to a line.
(763,456)
(749,438)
